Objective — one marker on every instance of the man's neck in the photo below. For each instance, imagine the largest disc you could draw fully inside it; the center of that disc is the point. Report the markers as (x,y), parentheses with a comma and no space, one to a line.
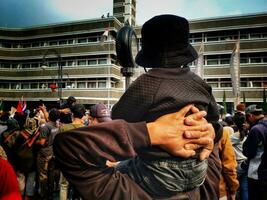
(78,121)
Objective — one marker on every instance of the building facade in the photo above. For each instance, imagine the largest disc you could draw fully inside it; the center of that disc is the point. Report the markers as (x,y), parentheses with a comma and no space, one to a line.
(85,50)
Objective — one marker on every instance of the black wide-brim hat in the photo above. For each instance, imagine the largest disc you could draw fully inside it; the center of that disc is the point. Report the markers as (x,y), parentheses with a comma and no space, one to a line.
(165,43)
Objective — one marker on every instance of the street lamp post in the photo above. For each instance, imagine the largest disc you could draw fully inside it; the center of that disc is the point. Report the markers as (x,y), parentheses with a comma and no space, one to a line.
(60,70)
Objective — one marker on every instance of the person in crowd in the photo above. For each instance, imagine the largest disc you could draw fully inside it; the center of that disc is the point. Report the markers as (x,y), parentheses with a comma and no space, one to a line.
(237,139)
(82,154)
(78,113)
(239,117)
(255,149)
(65,110)
(22,156)
(167,87)
(3,153)
(9,188)
(99,113)
(229,183)
(45,153)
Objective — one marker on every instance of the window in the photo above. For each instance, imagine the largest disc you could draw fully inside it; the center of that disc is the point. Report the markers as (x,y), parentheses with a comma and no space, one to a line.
(244,84)
(255,60)
(52,64)
(213,85)
(243,60)
(225,61)
(25,65)
(226,84)
(82,40)
(6,65)
(102,61)
(35,44)
(4,85)
(244,36)
(255,35)
(212,62)
(91,84)
(43,86)
(14,86)
(92,39)
(34,85)
(26,45)
(6,45)
(63,63)
(25,86)
(35,65)
(70,85)
(81,85)
(81,62)
(62,42)
(102,84)
(53,43)
(256,84)
(91,62)
(211,39)
(15,66)
(197,39)
(70,63)
(70,41)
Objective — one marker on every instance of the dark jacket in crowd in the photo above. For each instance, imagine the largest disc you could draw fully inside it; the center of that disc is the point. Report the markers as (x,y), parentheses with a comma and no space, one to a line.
(255,148)
(82,154)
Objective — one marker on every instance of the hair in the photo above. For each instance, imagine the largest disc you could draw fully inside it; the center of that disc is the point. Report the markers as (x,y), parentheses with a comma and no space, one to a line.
(240,107)
(54,115)
(78,111)
(21,119)
(4,116)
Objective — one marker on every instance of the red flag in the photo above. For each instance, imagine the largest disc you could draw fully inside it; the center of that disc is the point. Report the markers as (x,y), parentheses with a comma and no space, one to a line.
(19,106)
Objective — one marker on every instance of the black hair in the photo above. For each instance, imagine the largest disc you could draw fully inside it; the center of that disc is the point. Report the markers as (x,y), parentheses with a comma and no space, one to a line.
(54,115)
(78,110)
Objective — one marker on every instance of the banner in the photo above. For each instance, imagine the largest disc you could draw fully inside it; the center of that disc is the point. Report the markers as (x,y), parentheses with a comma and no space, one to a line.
(235,70)
(200,61)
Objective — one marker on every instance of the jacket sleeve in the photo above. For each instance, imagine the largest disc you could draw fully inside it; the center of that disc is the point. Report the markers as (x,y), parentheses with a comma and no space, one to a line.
(82,153)
(250,146)
(229,164)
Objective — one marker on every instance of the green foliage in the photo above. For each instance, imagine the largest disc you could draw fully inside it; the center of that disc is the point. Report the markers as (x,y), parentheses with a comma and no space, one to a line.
(264,102)
(224,103)
(244,98)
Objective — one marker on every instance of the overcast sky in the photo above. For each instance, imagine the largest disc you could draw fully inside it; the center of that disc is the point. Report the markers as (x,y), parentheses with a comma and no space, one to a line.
(25,13)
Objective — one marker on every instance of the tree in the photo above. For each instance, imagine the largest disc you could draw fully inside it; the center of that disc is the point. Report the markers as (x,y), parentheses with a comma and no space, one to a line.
(264,102)
(244,98)
(224,103)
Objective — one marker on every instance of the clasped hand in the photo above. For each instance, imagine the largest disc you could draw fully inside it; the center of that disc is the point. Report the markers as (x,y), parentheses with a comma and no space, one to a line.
(181,135)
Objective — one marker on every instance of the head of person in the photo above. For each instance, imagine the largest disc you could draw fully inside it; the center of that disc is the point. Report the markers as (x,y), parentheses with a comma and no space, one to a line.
(78,111)
(71,101)
(54,115)
(99,113)
(165,43)
(31,125)
(240,107)
(253,114)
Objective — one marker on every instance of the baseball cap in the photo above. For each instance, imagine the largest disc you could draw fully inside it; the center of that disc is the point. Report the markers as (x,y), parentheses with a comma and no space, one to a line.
(252,109)
(101,112)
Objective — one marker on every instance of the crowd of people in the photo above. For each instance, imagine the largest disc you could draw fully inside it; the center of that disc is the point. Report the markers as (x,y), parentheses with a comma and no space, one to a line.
(27,145)
(162,140)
